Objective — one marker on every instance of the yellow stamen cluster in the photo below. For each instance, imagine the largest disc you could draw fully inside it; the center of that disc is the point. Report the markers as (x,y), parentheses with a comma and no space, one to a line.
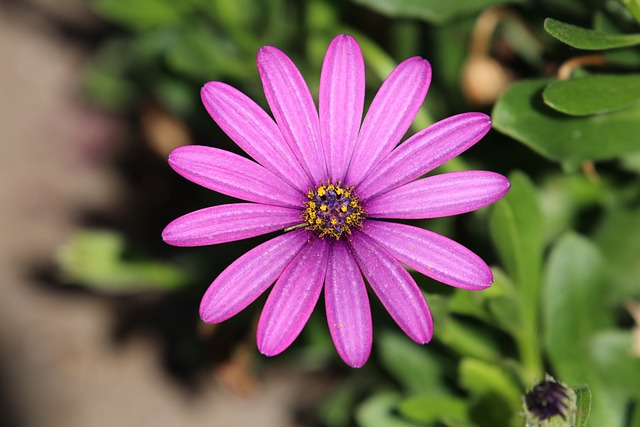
(332,210)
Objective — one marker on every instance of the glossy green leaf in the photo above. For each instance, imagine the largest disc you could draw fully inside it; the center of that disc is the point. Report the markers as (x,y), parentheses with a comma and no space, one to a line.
(413,366)
(583,404)
(593,94)
(583,38)
(521,113)
(431,409)
(435,11)
(379,411)
(96,259)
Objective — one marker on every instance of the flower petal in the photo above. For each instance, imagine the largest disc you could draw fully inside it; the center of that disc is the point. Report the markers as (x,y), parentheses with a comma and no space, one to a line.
(440,195)
(227,223)
(347,305)
(425,151)
(293,298)
(394,286)
(233,175)
(254,131)
(249,276)
(391,113)
(431,254)
(292,105)
(342,86)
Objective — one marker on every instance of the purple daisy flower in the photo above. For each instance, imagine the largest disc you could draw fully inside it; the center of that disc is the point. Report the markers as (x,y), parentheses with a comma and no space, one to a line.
(329,179)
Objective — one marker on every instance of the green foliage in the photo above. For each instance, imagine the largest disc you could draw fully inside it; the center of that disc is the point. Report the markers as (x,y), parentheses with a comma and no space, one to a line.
(379,411)
(580,340)
(583,38)
(583,404)
(564,243)
(593,94)
(97,259)
(147,14)
(516,229)
(435,11)
(521,113)
(618,237)
(431,409)
(493,387)
(416,370)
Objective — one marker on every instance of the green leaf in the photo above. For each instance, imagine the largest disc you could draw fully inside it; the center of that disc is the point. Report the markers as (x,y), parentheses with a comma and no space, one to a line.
(144,15)
(634,7)
(378,411)
(516,230)
(612,352)
(635,416)
(431,409)
(618,236)
(203,54)
(521,113)
(494,387)
(593,94)
(516,225)
(583,404)
(413,366)
(476,304)
(573,317)
(564,197)
(583,38)
(631,162)
(572,305)
(435,11)
(467,339)
(96,259)
(336,406)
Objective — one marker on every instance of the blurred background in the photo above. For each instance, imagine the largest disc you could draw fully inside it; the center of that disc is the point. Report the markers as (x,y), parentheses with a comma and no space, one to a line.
(99,318)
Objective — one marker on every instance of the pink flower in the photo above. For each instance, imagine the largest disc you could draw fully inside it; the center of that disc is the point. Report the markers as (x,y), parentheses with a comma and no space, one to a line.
(329,180)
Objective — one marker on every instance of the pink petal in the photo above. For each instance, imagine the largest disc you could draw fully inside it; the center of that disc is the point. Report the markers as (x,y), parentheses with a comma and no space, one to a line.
(390,115)
(254,131)
(292,105)
(425,151)
(431,254)
(233,175)
(347,305)
(394,286)
(440,195)
(249,276)
(227,223)
(342,86)
(293,298)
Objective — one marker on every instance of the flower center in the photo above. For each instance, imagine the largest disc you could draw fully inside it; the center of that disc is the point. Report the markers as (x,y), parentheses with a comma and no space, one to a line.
(332,210)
